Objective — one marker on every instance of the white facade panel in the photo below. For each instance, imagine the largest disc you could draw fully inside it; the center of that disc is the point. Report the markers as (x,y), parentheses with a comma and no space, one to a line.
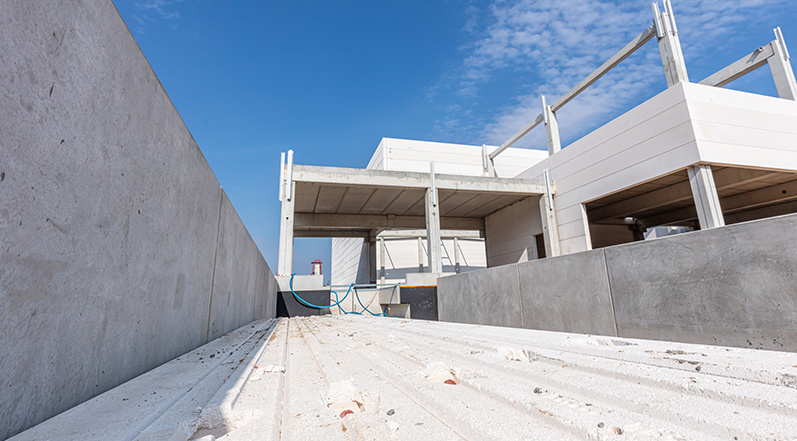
(744,129)
(511,231)
(649,141)
(348,264)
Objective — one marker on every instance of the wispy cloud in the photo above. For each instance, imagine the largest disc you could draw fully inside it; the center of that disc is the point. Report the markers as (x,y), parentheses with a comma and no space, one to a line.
(556,44)
(154,11)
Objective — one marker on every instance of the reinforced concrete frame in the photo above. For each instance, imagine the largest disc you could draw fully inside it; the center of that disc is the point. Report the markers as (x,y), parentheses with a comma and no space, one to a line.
(703,187)
(335,221)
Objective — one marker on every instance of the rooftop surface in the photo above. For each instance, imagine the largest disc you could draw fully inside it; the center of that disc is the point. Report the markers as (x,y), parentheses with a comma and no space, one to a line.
(294,378)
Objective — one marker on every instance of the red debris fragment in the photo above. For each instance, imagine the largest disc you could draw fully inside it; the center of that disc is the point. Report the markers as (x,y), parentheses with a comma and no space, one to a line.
(450,381)
(345,412)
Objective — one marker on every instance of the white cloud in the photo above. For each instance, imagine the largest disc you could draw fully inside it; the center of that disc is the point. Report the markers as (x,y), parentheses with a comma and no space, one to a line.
(556,44)
(152,11)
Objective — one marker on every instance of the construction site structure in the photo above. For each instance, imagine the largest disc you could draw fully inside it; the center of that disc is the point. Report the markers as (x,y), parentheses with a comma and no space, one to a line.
(135,305)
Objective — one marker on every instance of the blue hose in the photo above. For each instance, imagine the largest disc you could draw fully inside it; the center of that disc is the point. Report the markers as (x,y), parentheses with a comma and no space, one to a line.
(381,314)
(344,298)
(308,304)
(337,302)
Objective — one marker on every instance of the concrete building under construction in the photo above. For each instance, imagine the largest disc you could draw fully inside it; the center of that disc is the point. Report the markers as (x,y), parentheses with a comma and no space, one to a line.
(135,305)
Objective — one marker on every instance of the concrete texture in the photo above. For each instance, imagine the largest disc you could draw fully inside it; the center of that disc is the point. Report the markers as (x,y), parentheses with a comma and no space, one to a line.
(567,293)
(489,297)
(110,216)
(732,286)
(294,381)
(234,276)
(454,303)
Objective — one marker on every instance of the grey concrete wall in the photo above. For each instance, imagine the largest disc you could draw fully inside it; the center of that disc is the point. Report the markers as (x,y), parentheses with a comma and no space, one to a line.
(567,293)
(730,286)
(486,297)
(117,246)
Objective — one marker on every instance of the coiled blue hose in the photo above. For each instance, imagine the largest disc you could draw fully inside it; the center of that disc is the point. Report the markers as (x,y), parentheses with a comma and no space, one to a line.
(308,304)
(381,314)
(337,302)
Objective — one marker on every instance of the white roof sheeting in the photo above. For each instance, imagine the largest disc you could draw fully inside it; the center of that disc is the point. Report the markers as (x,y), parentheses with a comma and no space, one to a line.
(511,384)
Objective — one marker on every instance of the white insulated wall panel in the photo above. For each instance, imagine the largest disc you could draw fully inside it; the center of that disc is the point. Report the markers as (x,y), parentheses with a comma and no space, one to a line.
(401,256)
(349,264)
(457,159)
(510,232)
(651,140)
(743,129)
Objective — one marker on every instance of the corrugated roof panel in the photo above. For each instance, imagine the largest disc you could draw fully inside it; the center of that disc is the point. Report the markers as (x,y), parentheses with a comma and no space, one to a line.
(412,379)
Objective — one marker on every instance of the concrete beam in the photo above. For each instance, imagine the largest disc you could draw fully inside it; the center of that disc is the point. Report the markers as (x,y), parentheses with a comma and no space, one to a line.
(733,204)
(707,201)
(621,55)
(740,68)
(765,196)
(309,221)
(401,179)
(616,59)
(447,234)
(332,233)
(725,178)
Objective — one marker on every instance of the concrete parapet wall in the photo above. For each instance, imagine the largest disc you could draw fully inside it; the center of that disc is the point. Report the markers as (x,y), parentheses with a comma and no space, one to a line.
(730,286)
(119,249)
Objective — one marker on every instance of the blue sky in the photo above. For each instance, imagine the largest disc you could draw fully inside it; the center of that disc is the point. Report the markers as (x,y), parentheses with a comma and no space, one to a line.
(330,79)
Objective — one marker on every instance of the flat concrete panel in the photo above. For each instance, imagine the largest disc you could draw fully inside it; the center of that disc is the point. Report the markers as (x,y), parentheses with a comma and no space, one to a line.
(567,293)
(454,298)
(731,286)
(487,297)
(233,297)
(109,217)
(266,301)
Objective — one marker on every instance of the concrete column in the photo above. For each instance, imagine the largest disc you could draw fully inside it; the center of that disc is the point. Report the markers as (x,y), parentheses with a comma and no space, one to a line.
(456,255)
(488,167)
(672,57)
(433,232)
(285,264)
(421,254)
(372,256)
(382,258)
(550,229)
(707,201)
(781,69)
(551,128)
